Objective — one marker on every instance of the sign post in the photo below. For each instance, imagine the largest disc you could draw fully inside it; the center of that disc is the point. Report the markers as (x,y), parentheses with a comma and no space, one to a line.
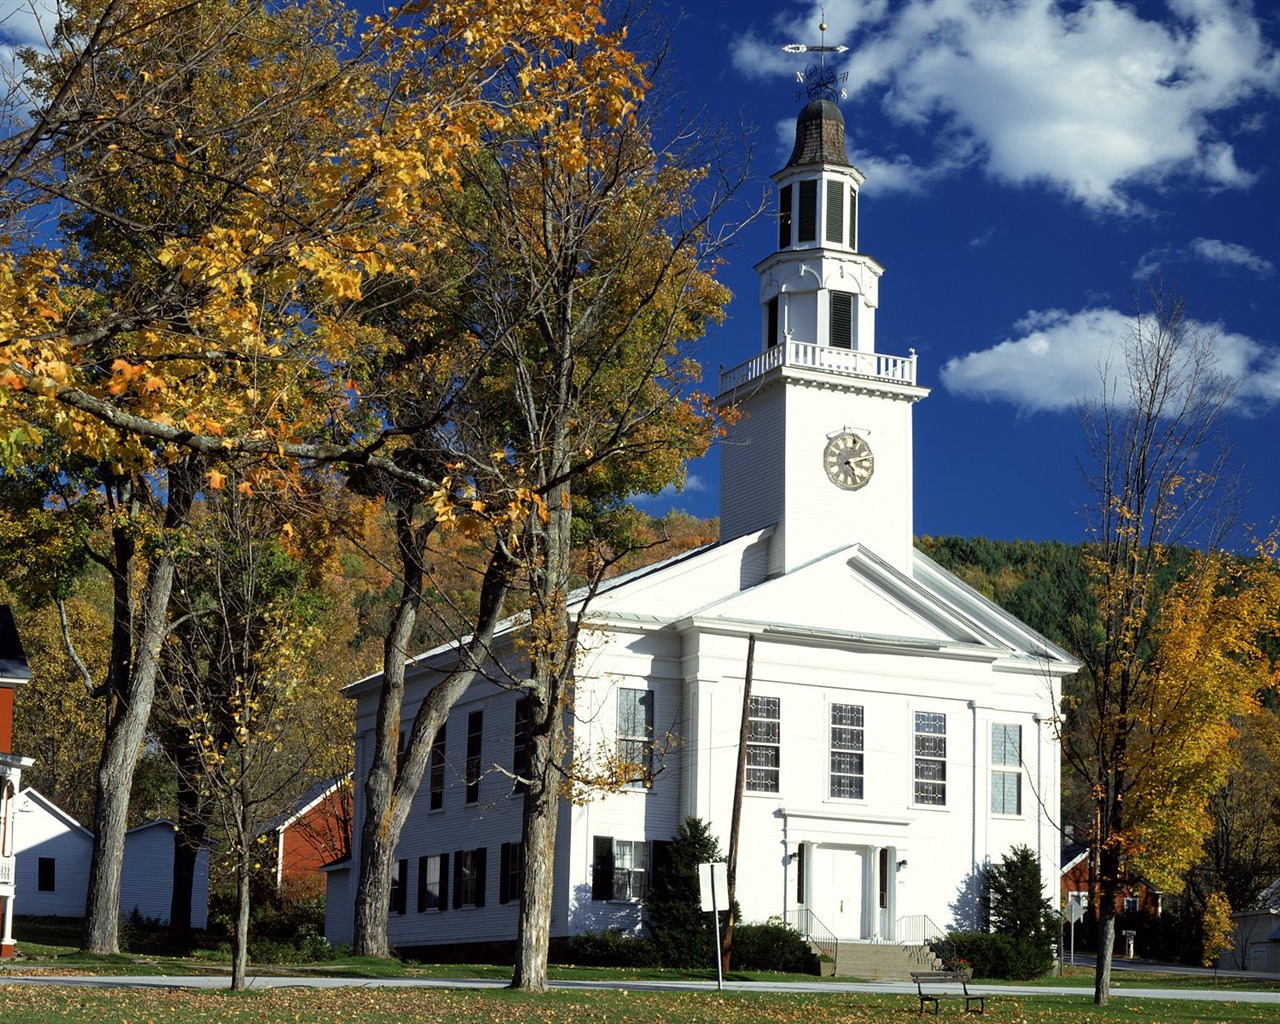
(1075,911)
(713,889)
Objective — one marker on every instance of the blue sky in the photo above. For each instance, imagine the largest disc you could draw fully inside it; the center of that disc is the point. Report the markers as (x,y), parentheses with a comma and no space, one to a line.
(1030,167)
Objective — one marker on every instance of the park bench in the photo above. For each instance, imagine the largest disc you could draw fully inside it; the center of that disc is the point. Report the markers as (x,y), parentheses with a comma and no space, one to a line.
(934,986)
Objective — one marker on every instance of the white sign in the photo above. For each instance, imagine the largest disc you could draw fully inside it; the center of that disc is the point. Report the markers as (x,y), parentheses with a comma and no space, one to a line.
(713,881)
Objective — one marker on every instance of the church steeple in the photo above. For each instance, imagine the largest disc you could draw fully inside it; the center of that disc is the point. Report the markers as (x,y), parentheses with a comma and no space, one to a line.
(824,450)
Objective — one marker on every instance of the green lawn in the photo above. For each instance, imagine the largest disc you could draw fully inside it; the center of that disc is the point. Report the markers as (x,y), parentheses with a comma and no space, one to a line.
(54,1005)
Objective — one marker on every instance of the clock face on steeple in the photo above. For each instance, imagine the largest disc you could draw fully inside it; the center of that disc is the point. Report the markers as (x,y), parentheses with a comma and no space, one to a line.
(848,461)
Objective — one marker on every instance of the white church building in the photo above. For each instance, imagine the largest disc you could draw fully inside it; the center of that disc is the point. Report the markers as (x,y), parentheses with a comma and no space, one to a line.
(900,732)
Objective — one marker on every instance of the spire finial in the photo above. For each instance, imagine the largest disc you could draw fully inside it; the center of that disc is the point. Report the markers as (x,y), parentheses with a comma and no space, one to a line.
(820,81)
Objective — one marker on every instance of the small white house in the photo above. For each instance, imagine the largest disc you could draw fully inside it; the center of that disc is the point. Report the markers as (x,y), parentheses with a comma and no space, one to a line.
(53,852)
(899,732)
(146,881)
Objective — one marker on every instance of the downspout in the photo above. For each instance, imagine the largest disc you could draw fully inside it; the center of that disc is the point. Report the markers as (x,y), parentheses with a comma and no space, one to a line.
(973,809)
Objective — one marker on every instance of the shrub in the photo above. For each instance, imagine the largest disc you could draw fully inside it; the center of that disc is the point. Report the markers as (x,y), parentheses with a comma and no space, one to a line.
(612,948)
(772,946)
(992,955)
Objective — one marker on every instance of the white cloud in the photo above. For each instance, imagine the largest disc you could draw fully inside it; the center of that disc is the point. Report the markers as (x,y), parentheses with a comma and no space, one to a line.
(23,23)
(1228,255)
(1089,100)
(1213,250)
(1056,360)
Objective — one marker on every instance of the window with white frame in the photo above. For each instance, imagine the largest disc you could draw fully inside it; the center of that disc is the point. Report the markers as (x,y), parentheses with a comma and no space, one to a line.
(433,882)
(847,770)
(931,758)
(1006,769)
(635,734)
(620,870)
(475,744)
(764,744)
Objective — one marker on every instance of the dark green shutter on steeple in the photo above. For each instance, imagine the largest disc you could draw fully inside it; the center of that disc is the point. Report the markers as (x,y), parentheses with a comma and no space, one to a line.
(808,227)
(835,212)
(841,320)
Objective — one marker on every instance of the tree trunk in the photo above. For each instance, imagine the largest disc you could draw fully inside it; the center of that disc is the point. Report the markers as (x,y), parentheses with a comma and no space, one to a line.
(240,940)
(1106,946)
(126,731)
(390,786)
(553,645)
(187,841)
(538,844)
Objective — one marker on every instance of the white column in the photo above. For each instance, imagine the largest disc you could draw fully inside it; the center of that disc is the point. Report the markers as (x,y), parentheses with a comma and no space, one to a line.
(871,904)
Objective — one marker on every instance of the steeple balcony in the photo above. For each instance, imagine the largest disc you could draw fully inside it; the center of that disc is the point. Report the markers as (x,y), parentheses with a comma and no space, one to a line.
(840,362)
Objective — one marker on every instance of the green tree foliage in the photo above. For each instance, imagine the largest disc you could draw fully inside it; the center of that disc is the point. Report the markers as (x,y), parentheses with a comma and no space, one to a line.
(683,933)
(1020,910)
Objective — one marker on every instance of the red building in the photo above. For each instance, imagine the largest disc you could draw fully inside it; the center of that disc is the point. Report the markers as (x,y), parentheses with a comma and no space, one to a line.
(316,832)
(13,672)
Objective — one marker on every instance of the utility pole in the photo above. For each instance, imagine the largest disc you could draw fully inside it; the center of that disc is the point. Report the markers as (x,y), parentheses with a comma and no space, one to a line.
(735,820)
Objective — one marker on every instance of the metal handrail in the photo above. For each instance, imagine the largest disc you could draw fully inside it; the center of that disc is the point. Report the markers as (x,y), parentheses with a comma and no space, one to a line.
(806,922)
(920,930)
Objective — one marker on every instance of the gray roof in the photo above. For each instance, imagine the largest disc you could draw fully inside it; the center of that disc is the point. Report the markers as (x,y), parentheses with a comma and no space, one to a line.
(13,660)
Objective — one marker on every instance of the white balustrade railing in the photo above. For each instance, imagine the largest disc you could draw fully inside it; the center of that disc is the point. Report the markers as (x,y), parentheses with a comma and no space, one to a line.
(6,870)
(872,365)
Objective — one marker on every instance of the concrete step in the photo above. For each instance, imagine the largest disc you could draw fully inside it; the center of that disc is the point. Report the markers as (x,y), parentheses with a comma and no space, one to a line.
(881,961)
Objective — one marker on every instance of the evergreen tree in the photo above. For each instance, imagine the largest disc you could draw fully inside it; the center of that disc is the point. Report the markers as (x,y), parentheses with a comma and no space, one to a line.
(682,932)
(1019,910)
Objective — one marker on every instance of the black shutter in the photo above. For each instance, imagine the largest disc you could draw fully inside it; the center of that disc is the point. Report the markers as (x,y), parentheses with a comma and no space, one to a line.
(853,220)
(784,217)
(504,874)
(479,861)
(772,318)
(661,863)
(808,228)
(457,879)
(841,320)
(835,211)
(444,882)
(799,858)
(602,869)
(422,884)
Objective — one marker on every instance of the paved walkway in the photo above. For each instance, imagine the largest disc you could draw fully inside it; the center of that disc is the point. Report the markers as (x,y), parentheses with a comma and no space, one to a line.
(1119,990)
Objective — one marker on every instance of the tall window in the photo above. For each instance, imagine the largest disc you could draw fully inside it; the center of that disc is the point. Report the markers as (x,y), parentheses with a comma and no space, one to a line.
(399,886)
(475,744)
(522,743)
(1006,769)
(437,771)
(841,328)
(931,758)
(511,873)
(771,322)
(808,227)
(46,874)
(468,878)
(764,744)
(846,751)
(635,733)
(433,882)
(784,216)
(620,870)
(835,211)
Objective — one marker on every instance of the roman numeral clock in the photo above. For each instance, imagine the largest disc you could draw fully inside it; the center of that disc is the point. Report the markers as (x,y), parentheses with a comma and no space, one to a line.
(848,461)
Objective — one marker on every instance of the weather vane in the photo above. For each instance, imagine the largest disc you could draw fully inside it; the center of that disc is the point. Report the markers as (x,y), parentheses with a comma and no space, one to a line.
(820,81)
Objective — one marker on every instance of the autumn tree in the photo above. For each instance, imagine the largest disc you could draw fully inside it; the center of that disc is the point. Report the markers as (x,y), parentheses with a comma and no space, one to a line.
(1169,664)
(243,675)
(594,275)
